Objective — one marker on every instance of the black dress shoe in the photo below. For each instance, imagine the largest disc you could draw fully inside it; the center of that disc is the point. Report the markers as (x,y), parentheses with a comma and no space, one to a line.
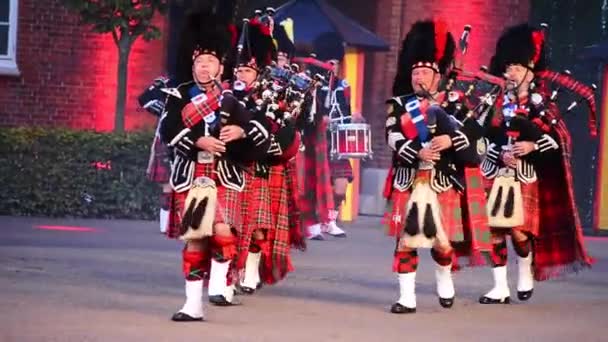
(246,290)
(488,300)
(341,235)
(317,237)
(220,300)
(183,317)
(524,295)
(401,309)
(446,302)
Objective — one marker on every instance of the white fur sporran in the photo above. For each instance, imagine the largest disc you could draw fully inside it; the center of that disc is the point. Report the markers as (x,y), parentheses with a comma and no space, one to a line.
(199,210)
(424,227)
(505,203)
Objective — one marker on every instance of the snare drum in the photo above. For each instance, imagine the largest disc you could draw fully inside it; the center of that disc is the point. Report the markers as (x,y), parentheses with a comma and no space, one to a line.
(352,140)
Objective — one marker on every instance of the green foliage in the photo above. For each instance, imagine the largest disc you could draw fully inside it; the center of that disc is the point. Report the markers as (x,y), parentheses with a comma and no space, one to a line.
(53,172)
(130,18)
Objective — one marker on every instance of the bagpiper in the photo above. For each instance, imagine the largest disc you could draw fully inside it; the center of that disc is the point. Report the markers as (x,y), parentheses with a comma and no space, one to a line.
(429,153)
(208,131)
(528,169)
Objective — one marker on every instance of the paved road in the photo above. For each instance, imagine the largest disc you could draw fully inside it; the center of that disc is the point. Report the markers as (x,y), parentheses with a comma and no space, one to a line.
(121,281)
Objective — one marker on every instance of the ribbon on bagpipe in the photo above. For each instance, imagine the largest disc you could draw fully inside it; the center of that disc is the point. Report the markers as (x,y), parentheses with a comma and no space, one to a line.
(314,62)
(419,126)
(412,106)
(577,87)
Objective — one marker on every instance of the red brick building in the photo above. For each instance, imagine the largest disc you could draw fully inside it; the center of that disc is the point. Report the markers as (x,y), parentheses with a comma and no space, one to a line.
(55,72)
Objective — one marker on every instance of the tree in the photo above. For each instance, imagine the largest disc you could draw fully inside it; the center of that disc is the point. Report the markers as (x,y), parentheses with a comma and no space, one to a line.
(126,20)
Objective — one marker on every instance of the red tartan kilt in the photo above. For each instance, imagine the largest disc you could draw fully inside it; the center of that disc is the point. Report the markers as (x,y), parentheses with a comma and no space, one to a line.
(255,214)
(227,211)
(450,206)
(529,193)
(178,200)
(396,213)
(229,207)
(277,186)
(159,168)
(281,234)
(341,169)
(296,235)
(451,214)
(256,200)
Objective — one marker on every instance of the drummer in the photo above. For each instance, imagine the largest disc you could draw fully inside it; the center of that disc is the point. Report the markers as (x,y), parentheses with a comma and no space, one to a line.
(335,95)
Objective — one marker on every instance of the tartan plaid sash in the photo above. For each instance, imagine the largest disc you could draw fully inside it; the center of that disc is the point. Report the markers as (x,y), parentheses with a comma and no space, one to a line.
(478,237)
(201,107)
(559,247)
(297,237)
(279,262)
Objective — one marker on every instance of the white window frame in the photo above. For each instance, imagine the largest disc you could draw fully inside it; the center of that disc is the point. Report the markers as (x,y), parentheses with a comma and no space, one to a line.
(8,64)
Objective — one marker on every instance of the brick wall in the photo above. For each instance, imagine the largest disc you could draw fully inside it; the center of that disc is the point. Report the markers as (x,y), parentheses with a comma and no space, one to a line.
(393,20)
(68,74)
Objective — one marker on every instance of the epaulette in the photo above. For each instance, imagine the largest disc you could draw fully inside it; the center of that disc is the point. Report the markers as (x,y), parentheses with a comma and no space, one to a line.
(175,91)
(172,91)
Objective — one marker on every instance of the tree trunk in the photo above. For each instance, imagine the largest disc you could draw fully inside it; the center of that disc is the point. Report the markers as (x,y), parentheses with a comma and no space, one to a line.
(124,48)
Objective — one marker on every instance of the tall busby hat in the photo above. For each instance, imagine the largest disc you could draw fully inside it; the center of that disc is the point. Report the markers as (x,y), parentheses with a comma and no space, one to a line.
(521,44)
(258,50)
(328,46)
(427,44)
(204,32)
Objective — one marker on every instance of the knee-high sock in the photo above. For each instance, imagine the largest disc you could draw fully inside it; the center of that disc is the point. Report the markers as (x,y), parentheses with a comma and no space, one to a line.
(498,255)
(443,273)
(338,199)
(405,262)
(522,248)
(443,259)
(193,264)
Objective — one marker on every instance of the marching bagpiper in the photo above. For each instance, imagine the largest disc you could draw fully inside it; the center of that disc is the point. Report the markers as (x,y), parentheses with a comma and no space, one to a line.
(256,53)
(528,168)
(209,132)
(289,139)
(264,247)
(153,99)
(429,150)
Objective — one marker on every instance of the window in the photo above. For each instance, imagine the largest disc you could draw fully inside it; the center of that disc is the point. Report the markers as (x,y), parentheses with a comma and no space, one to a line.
(8,37)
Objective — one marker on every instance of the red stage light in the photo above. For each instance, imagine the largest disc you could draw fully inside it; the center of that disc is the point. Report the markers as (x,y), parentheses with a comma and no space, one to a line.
(68,229)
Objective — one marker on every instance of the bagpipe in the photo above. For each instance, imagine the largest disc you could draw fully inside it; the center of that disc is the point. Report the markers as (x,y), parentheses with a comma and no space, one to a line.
(492,102)
(276,98)
(480,96)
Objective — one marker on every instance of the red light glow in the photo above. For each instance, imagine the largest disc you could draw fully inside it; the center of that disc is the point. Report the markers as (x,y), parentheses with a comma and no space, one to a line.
(68,229)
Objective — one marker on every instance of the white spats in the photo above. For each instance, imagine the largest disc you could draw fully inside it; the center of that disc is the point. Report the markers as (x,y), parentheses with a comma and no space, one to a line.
(407,290)
(163,220)
(194,299)
(445,284)
(218,278)
(334,230)
(314,232)
(500,291)
(229,294)
(252,270)
(525,282)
